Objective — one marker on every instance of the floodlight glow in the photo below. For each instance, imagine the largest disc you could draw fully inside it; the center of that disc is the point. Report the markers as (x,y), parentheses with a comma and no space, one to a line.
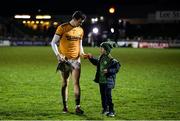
(92,20)
(47,23)
(24,22)
(37,22)
(96,19)
(43,17)
(95,30)
(55,23)
(41,22)
(119,20)
(111,10)
(32,22)
(22,16)
(112,30)
(101,18)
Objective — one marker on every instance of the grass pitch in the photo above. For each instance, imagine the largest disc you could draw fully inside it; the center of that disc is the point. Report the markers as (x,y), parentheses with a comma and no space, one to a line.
(147,86)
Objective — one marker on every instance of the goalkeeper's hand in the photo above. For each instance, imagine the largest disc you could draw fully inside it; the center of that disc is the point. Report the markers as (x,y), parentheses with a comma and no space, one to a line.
(60,57)
(86,56)
(64,66)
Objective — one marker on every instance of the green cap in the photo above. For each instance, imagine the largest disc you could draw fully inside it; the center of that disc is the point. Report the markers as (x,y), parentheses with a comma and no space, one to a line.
(107,46)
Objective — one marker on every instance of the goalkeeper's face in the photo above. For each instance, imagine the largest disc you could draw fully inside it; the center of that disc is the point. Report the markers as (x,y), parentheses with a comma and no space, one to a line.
(79,22)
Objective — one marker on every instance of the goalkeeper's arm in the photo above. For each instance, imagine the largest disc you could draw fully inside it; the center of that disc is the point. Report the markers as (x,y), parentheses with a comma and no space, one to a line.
(82,54)
(54,41)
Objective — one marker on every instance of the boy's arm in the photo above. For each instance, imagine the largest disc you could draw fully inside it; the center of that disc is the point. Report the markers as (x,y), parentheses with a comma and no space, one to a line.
(93,60)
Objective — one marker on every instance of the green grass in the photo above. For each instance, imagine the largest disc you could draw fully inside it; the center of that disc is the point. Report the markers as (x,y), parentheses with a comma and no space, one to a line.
(147,86)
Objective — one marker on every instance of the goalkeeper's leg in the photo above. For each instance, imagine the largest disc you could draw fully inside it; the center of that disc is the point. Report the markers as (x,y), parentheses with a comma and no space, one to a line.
(77,91)
(76,77)
(64,89)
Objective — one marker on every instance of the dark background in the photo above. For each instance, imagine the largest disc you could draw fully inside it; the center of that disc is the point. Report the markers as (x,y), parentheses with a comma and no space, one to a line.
(131,8)
(138,19)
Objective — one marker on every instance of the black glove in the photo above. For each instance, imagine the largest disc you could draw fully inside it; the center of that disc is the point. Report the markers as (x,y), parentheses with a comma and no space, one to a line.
(64,66)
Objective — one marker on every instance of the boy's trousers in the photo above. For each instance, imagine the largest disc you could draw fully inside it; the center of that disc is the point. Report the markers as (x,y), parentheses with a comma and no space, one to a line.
(106,97)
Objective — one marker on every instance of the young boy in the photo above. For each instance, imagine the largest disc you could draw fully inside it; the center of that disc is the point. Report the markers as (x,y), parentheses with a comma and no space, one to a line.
(107,68)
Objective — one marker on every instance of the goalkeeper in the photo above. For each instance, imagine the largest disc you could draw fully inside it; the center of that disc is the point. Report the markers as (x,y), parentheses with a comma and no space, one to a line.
(70,49)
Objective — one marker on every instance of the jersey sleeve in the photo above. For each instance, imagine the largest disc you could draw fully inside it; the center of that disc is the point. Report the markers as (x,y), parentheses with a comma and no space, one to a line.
(59,30)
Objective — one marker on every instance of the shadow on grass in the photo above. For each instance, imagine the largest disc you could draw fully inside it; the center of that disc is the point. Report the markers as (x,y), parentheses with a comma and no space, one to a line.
(84,116)
(44,115)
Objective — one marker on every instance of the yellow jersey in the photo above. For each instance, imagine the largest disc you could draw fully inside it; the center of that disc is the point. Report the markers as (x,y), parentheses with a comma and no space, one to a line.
(70,36)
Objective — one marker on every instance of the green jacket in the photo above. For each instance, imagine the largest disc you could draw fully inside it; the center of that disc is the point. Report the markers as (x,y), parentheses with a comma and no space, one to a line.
(104,62)
(112,66)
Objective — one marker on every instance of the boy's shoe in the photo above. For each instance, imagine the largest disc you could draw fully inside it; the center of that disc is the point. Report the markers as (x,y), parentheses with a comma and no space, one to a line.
(65,110)
(104,112)
(79,111)
(111,114)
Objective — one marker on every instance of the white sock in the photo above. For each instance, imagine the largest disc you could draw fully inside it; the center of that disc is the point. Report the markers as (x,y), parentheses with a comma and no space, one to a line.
(78,106)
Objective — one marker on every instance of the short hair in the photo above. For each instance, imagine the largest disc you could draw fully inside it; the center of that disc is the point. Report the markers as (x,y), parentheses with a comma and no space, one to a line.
(78,14)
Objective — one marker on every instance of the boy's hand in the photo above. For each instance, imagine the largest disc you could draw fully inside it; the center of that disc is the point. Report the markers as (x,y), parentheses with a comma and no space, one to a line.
(105,71)
(90,55)
(87,56)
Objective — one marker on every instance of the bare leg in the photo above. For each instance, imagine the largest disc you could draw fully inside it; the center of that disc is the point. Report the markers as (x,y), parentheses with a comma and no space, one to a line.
(77,91)
(76,77)
(64,89)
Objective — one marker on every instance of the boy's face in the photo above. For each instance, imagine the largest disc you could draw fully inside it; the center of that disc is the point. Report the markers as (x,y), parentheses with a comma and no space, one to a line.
(102,50)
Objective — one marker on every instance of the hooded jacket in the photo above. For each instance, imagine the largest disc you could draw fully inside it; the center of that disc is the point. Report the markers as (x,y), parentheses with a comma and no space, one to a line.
(112,69)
